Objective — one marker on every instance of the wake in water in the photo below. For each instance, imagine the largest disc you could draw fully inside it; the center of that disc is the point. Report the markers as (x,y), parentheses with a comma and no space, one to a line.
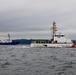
(21,46)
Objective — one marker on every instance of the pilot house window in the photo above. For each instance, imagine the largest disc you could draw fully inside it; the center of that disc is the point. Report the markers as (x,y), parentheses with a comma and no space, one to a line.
(59,36)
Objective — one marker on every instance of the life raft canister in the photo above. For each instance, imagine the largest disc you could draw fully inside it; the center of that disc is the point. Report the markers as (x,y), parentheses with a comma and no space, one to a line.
(74,45)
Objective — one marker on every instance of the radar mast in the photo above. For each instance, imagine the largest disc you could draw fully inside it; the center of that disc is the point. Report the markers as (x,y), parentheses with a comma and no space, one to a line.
(54,29)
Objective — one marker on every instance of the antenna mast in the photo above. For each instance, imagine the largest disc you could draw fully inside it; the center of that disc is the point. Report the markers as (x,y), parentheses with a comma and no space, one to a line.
(8,37)
(54,29)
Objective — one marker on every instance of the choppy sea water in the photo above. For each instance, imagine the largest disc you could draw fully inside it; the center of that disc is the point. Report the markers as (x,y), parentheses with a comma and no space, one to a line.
(23,60)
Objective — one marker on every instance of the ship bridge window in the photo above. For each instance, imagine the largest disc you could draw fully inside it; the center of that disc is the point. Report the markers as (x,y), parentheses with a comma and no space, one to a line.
(59,35)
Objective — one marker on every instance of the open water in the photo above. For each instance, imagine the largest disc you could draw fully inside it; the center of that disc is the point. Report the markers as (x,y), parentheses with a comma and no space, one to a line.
(23,60)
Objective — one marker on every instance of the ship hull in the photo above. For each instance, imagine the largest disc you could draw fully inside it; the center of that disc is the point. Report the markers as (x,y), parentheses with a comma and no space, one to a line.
(52,45)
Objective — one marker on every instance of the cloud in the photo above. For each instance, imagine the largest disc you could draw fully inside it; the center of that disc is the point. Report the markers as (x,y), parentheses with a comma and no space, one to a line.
(37,15)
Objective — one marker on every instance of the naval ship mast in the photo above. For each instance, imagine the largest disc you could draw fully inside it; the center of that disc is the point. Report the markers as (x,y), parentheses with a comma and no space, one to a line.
(54,29)
(8,37)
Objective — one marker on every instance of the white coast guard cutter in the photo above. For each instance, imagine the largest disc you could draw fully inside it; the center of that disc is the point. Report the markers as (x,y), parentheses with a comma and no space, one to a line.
(58,40)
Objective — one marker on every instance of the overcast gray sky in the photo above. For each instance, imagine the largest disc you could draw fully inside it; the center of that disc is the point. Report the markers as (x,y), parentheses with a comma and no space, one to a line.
(38,15)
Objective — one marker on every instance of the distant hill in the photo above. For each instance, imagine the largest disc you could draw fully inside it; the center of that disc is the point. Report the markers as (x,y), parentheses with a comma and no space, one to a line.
(28,41)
